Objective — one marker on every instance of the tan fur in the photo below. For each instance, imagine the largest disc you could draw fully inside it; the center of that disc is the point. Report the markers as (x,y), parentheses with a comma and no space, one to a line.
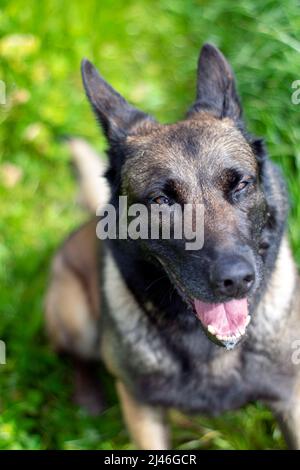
(72,304)
(72,301)
(94,190)
(277,299)
(158,150)
(162,151)
(146,424)
(72,312)
(289,418)
(136,327)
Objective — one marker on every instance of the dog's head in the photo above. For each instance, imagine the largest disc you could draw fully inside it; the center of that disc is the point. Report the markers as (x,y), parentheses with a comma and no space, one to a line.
(207,159)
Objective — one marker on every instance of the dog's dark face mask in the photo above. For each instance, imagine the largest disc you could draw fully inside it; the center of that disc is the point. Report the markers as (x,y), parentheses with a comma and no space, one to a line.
(207,159)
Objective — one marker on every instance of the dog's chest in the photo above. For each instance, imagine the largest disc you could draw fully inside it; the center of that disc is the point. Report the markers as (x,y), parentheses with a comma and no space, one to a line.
(198,376)
(202,378)
(207,379)
(202,384)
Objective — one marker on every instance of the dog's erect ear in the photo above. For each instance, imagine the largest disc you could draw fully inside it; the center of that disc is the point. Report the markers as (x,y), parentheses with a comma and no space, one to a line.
(216,90)
(116,116)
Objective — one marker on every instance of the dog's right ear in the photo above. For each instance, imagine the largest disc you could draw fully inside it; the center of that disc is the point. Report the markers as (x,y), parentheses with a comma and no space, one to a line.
(115,115)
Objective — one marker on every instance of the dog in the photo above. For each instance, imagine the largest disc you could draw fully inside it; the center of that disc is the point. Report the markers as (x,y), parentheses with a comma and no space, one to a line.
(199,331)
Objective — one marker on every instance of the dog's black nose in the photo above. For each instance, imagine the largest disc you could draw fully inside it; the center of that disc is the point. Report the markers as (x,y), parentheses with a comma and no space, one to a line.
(232,276)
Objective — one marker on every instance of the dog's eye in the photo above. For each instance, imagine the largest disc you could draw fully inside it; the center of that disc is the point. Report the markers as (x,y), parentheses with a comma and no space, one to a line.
(242,185)
(241,188)
(161,200)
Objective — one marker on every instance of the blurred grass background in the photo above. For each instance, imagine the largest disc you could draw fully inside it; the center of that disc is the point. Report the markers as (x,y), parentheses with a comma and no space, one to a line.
(148,50)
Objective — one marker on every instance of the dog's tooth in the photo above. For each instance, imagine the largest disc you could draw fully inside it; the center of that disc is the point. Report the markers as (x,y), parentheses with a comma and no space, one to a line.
(220,337)
(211,329)
(247,320)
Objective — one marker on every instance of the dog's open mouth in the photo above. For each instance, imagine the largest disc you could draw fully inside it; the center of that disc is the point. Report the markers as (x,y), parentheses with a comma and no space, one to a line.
(227,322)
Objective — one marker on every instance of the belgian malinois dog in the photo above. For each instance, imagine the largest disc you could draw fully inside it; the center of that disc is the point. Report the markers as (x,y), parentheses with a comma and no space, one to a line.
(158,315)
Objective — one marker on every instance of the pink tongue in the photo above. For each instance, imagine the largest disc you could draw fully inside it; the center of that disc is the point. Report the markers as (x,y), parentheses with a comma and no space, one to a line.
(227,319)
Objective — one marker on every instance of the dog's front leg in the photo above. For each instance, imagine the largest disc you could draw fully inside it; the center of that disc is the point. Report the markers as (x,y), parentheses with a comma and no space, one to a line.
(288,415)
(289,422)
(145,424)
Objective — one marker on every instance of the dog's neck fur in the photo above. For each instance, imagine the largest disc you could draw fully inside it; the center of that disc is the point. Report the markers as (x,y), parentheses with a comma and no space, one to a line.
(276,304)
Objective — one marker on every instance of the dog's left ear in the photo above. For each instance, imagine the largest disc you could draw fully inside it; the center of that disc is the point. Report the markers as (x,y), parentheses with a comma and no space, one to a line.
(216,89)
(115,115)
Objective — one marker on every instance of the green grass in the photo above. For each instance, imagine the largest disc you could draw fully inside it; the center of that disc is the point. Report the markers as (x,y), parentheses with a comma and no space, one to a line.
(148,50)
